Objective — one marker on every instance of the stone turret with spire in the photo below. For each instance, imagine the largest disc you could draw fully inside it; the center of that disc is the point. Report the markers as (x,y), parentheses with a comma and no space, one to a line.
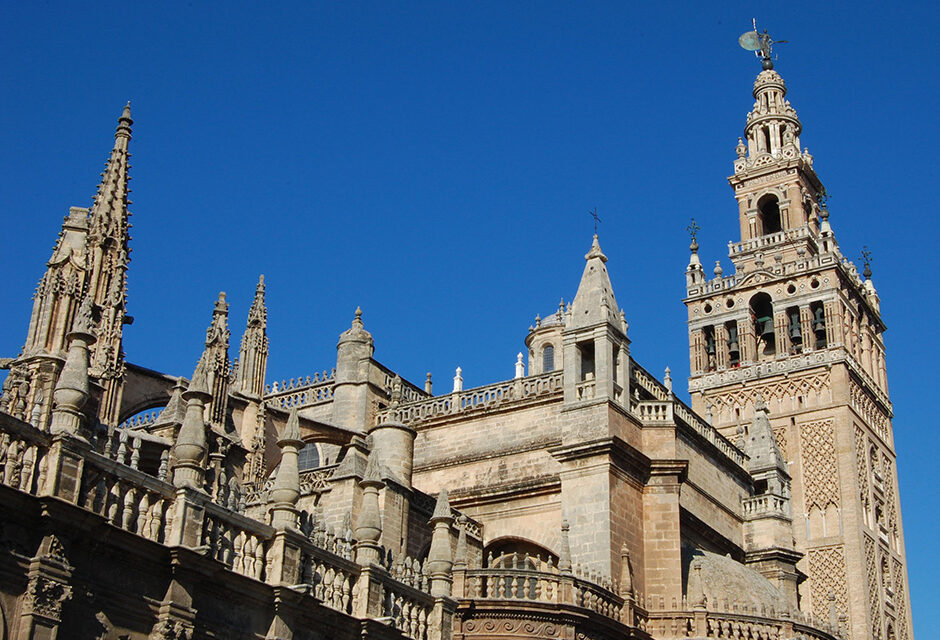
(596,347)
(217,362)
(89,259)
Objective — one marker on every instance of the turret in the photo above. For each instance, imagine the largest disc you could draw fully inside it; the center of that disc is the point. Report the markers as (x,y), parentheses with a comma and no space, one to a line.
(350,392)
(596,348)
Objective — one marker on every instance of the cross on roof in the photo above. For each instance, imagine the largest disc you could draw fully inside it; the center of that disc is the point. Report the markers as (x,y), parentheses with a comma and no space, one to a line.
(593,214)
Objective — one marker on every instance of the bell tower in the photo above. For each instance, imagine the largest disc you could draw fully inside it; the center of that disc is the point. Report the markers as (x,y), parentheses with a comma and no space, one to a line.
(795,326)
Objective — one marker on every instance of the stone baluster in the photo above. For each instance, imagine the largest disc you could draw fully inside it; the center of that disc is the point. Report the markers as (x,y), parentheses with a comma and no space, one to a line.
(191,442)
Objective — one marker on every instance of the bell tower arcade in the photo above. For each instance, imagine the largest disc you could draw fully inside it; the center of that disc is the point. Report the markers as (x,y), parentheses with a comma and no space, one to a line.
(796,328)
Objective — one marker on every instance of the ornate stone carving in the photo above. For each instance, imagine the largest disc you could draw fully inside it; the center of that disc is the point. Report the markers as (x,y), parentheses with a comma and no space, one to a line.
(512,628)
(45,597)
(900,603)
(820,472)
(171,630)
(861,466)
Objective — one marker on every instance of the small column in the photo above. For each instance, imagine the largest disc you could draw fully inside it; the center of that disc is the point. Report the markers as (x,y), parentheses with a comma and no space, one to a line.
(806,328)
(520,366)
(440,560)
(458,380)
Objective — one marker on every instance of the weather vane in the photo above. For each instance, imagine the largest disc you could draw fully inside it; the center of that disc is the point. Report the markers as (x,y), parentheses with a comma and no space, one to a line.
(866,259)
(760,43)
(596,219)
(693,230)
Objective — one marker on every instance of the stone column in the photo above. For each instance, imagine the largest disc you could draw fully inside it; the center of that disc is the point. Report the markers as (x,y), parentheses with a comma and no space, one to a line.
(806,328)
(661,531)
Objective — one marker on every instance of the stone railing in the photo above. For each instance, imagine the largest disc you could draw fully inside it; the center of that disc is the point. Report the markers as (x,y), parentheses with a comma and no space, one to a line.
(547,585)
(238,542)
(710,433)
(126,497)
(407,600)
(303,397)
(329,576)
(141,420)
(654,412)
(23,452)
(765,505)
(769,240)
(642,378)
(477,399)
(704,623)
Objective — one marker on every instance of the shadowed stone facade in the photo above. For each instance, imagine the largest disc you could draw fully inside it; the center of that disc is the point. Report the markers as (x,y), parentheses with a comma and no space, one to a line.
(582,499)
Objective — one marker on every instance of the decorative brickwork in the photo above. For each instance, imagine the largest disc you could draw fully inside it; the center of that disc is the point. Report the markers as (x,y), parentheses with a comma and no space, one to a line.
(861,465)
(780,435)
(827,573)
(900,602)
(866,407)
(874,601)
(820,472)
(813,385)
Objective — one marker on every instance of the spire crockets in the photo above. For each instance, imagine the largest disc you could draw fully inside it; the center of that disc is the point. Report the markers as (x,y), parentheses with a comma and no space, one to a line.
(108,255)
(253,353)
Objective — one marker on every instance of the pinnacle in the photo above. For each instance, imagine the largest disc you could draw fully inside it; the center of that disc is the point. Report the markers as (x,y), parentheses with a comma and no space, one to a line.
(595,251)
(442,506)
(292,428)
(199,384)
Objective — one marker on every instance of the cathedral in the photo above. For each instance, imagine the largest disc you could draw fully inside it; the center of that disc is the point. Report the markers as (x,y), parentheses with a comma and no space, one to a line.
(580,499)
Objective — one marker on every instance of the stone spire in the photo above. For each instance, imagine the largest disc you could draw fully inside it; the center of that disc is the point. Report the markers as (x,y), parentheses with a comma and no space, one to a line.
(286,488)
(89,260)
(440,559)
(595,302)
(190,445)
(253,354)
(108,255)
(217,363)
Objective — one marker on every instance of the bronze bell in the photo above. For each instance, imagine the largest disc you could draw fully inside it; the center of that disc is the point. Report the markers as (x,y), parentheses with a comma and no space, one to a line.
(733,349)
(819,321)
(796,335)
(766,326)
(710,345)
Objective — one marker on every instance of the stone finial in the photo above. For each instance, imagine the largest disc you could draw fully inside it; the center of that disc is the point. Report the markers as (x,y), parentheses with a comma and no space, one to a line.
(741,148)
(395,399)
(72,389)
(440,561)
(458,380)
(441,506)
(190,445)
(368,530)
(520,366)
(357,321)
(667,379)
(564,554)
(428,385)
(718,270)
(708,413)
(626,573)
(286,490)
(701,600)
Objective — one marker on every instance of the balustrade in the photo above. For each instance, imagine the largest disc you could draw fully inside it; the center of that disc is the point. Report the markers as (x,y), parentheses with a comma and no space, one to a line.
(23,458)
(479,398)
(238,542)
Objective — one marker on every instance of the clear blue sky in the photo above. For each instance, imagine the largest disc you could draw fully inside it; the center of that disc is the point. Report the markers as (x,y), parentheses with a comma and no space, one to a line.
(435,163)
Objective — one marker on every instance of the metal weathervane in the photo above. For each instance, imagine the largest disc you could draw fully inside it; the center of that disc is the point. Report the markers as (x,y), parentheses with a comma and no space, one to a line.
(760,43)
(693,230)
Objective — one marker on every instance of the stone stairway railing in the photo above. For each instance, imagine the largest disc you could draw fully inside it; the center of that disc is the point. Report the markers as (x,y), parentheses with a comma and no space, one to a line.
(484,398)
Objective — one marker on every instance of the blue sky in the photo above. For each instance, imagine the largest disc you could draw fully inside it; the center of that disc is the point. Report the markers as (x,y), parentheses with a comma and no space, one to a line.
(435,163)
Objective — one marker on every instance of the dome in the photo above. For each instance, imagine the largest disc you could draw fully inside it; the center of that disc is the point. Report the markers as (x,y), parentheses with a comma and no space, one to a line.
(724,578)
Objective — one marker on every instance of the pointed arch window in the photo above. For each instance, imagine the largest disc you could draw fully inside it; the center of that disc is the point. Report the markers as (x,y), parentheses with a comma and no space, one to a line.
(308,457)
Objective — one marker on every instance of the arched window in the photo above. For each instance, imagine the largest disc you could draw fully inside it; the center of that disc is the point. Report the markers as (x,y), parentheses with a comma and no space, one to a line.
(769,210)
(548,358)
(308,457)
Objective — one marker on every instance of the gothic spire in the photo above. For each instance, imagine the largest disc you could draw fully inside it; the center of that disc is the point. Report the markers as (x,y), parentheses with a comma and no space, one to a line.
(217,361)
(253,353)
